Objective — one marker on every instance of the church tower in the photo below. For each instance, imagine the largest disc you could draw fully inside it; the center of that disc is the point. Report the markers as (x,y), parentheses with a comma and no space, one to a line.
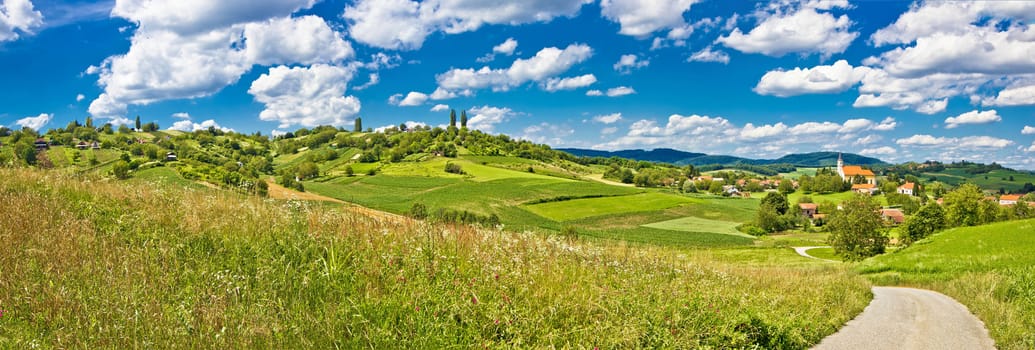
(840,165)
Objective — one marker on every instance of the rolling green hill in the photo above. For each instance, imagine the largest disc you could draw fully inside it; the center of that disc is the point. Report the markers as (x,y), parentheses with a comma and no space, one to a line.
(990,268)
(90,263)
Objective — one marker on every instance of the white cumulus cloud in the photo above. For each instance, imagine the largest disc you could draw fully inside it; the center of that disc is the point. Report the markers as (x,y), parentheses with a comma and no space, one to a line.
(405,24)
(1028,130)
(440,108)
(413,98)
(485,118)
(189,126)
(641,18)
(18,17)
(572,83)
(305,96)
(608,118)
(628,63)
(36,122)
(826,79)
(879,151)
(547,63)
(709,54)
(804,30)
(973,117)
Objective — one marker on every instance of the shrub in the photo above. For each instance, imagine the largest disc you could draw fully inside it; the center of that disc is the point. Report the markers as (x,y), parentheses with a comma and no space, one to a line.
(454,168)
(419,211)
(120,169)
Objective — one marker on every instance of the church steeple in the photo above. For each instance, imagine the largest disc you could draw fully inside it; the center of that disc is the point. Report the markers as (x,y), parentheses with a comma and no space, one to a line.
(840,161)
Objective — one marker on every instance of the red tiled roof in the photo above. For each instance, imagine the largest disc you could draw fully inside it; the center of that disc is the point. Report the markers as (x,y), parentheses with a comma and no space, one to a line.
(894,214)
(853,170)
(908,186)
(1010,197)
(808,205)
(863,186)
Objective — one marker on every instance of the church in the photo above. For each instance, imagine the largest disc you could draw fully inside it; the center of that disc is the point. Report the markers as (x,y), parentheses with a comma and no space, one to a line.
(849,172)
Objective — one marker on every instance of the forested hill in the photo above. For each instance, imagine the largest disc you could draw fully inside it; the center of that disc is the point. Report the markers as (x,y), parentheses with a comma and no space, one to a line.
(666,155)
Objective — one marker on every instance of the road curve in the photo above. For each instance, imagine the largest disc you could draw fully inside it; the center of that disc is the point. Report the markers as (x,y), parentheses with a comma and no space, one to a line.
(803,251)
(907,318)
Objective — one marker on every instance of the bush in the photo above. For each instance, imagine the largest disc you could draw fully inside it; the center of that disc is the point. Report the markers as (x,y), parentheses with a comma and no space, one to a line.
(419,211)
(454,168)
(120,169)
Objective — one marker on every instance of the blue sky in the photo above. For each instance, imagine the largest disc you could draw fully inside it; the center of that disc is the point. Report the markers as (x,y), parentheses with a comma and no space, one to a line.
(896,80)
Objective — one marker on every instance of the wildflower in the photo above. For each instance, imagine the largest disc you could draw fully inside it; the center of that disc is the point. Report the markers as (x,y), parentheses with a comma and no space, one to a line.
(474,299)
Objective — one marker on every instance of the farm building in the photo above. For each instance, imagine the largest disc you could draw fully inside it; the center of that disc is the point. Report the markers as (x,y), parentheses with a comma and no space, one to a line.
(1009,199)
(867,188)
(808,210)
(907,188)
(894,216)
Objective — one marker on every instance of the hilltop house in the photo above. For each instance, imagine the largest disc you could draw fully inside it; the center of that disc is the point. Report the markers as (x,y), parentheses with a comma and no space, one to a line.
(893,216)
(907,188)
(1009,199)
(808,210)
(82,145)
(42,144)
(170,157)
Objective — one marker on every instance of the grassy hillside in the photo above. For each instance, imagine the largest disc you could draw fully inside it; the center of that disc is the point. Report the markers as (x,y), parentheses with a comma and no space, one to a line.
(991,269)
(91,263)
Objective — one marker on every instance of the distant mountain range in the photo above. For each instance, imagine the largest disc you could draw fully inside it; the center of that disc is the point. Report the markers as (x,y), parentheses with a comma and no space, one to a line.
(668,155)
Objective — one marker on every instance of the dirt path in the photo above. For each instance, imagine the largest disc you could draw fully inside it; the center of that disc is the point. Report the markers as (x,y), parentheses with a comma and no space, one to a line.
(280,192)
(803,251)
(907,318)
(600,178)
(277,191)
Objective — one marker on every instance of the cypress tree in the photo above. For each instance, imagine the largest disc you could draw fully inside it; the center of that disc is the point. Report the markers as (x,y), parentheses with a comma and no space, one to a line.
(359,125)
(138,122)
(463,119)
(452,118)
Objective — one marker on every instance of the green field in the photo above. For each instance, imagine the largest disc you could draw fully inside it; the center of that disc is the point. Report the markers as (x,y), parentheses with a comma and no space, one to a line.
(798,172)
(589,207)
(990,269)
(823,253)
(696,224)
(991,181)
(121,265)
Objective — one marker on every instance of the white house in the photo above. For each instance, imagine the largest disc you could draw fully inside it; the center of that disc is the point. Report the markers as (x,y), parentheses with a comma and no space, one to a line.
(907,188)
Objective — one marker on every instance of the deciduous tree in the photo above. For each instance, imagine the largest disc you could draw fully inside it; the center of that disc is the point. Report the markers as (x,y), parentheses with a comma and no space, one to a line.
(857,231)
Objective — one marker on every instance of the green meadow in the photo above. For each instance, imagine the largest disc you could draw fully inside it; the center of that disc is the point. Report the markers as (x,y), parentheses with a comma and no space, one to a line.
(148,263)
(990,269)
(584,208)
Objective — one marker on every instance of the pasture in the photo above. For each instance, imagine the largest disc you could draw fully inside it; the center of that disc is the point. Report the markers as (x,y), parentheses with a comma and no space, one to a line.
(583,208)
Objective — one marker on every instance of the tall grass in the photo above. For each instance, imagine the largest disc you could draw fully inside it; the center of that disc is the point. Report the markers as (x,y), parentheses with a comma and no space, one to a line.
(990,269)
(89,263)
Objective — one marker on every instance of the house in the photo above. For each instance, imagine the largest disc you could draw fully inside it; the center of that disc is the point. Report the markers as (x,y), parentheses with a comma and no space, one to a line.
(42,144)
(869,189)
(808,210)
(893,216)
(81,145)
(731,190)
(95,145)
(170,157)
(1009,199)
(907,188)
(849,172)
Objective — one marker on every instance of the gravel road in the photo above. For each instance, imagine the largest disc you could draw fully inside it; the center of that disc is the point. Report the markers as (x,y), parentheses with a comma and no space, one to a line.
(907,318)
